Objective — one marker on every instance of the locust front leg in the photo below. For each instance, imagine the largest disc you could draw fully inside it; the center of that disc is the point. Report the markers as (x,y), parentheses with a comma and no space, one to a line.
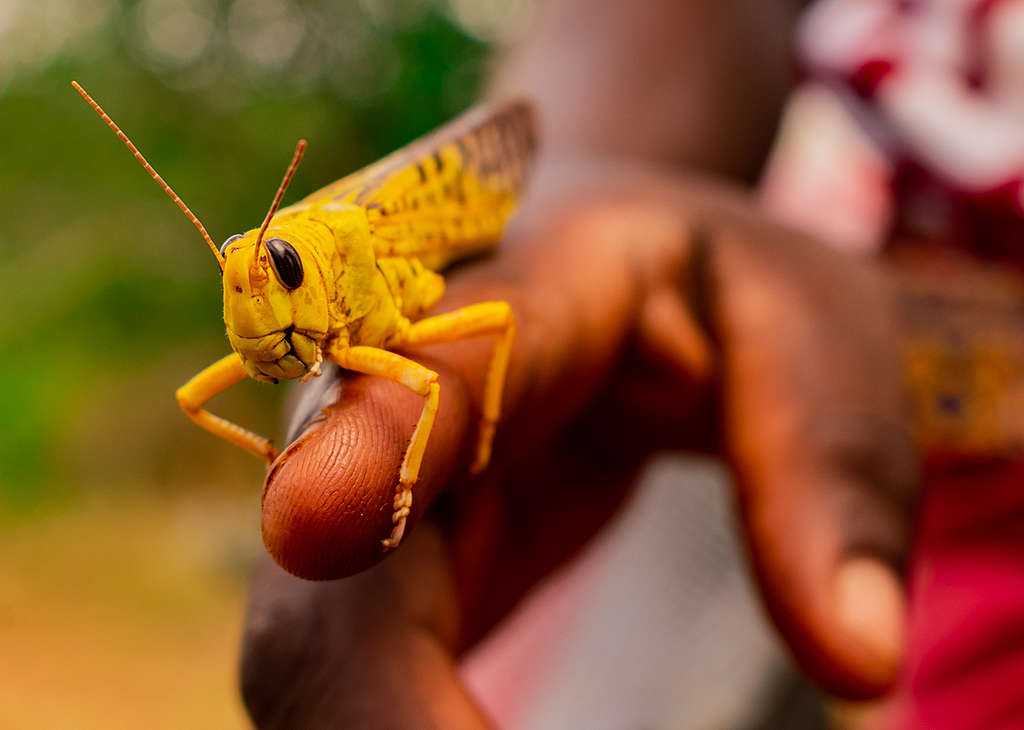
(487,318)
(419,380)
(217,378)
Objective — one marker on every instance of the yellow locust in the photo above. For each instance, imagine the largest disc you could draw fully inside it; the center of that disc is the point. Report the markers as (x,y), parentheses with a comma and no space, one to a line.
(351,271)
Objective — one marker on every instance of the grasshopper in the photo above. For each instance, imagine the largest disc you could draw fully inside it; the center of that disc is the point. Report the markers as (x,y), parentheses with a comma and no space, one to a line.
(351,271)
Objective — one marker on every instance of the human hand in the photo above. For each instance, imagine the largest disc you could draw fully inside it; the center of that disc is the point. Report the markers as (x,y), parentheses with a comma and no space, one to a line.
(653,314)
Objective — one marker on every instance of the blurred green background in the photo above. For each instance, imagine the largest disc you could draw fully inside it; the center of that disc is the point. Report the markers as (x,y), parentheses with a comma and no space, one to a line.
(127,532)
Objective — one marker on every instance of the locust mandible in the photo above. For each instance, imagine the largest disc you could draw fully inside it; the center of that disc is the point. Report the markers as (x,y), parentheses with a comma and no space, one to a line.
(351,271)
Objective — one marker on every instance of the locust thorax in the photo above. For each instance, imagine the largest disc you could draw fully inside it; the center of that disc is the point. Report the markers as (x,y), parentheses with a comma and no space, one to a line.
(275,300)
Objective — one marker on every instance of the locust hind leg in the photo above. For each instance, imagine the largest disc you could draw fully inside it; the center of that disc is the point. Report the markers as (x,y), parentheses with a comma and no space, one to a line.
(207,383)
(418,379)
(485,318)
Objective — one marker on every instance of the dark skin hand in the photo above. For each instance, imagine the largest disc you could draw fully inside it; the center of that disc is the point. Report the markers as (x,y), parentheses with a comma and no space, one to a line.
(653,314)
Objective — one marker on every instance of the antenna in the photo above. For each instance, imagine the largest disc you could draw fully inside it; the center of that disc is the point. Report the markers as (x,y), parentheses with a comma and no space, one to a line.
(155,175)
(300,149)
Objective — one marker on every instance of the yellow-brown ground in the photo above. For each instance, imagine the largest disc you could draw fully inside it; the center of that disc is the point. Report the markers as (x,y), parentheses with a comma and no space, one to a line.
(124,613)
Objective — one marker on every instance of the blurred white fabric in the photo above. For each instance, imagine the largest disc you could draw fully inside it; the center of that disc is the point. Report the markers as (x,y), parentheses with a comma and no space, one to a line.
(656,625)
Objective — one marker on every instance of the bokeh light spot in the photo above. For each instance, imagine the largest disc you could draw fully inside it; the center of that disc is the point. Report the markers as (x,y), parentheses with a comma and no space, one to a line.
(266,33)
(492,20)
(395,14)
(174,33)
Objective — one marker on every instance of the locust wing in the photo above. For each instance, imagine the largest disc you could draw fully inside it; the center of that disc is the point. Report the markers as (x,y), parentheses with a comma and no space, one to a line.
(448,194)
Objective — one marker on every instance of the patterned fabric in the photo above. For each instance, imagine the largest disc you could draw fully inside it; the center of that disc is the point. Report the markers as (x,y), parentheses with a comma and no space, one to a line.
(938,86)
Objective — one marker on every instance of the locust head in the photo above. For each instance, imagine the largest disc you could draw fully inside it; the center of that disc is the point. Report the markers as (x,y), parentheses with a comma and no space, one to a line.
(275,296)
(275,303)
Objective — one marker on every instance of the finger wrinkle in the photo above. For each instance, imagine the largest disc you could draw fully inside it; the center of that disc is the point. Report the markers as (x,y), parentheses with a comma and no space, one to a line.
(862,447)
(872,527)
(331,491)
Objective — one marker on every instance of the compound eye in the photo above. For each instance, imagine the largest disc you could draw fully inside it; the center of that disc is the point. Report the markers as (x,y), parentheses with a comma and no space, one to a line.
(224,246)
(286,261)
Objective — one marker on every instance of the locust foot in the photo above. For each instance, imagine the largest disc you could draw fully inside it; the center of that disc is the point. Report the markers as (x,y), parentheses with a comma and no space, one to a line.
(402,506)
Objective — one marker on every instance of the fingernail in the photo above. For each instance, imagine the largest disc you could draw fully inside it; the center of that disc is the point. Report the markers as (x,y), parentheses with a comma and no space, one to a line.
(871,608)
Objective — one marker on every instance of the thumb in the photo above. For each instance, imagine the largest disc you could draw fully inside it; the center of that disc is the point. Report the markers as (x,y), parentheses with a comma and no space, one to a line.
(815,423)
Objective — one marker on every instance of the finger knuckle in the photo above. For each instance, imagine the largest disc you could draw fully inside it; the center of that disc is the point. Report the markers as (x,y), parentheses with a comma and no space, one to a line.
(872,452)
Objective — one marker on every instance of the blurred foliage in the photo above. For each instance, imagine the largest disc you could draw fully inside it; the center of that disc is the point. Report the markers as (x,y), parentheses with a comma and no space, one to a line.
(109,299)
